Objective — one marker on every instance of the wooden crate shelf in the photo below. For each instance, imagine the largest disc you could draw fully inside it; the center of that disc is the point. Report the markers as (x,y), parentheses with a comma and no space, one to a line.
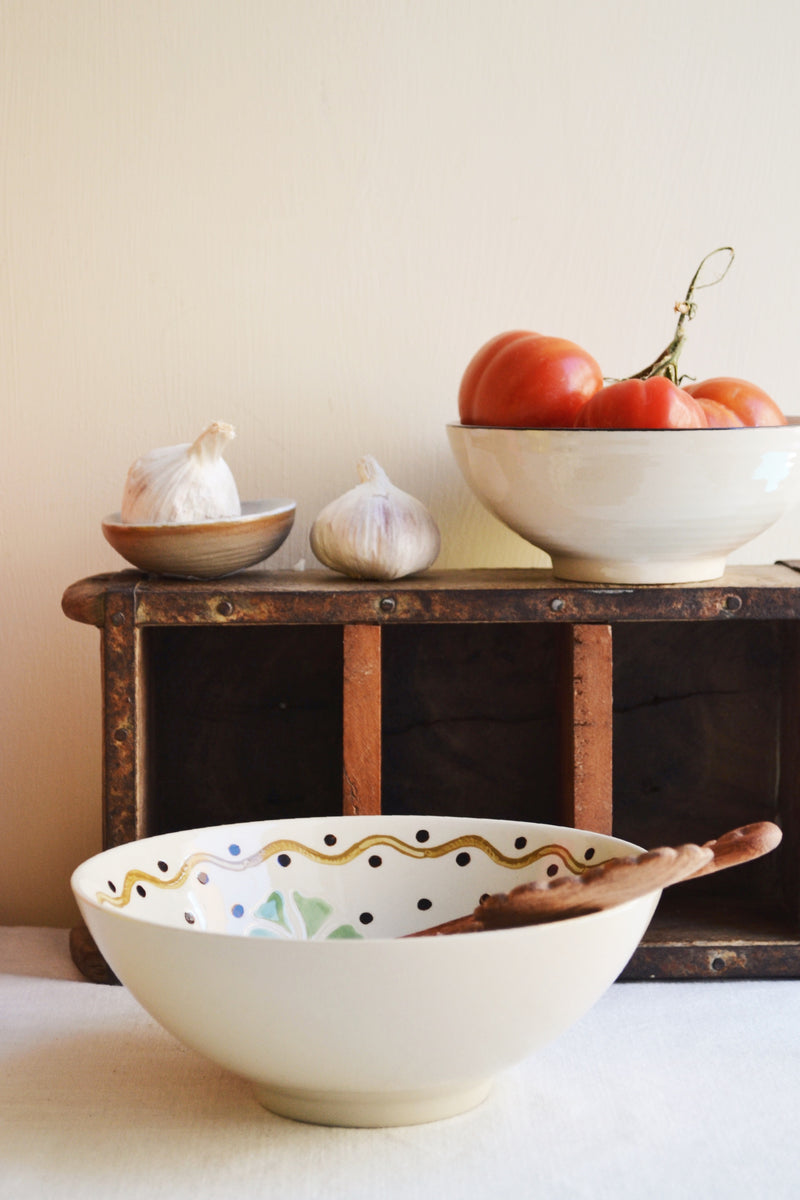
(663,714)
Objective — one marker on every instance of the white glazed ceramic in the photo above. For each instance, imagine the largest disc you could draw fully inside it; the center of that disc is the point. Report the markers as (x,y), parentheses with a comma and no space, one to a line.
(206,549)
(275,949)
(633,506)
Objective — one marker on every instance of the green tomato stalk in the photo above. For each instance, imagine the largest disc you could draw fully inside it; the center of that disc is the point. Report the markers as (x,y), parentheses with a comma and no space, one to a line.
(667,361)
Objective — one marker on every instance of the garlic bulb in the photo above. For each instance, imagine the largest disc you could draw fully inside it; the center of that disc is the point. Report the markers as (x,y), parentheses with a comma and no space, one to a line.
(375,531)
(179,485)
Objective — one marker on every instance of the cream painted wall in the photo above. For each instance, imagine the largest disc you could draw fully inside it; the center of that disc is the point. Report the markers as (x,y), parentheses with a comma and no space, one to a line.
(303,216)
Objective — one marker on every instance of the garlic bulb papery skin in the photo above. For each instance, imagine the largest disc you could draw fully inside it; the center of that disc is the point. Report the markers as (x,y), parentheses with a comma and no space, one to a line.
(182,485)
(375,531)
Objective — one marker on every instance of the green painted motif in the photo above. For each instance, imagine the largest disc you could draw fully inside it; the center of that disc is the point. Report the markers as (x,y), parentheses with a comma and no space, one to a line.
(273,910)
(301,917)
(313,911)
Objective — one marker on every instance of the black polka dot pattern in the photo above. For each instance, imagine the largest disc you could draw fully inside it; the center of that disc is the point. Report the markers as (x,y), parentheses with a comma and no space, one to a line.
(462,857)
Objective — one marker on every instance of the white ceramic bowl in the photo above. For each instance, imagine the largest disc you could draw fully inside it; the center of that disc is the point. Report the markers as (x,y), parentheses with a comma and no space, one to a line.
(275,949)
(633,506)
(206,549)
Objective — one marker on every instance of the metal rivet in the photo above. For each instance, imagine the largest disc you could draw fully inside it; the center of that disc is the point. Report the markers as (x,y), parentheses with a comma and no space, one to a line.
(225,608)
(118,618)
(733,603)
(557,604)
(387,604)
(120,735)
(718,964)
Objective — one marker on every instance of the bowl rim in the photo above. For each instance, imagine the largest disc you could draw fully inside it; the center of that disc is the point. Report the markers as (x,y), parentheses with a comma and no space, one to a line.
(792,422)
(252,511)
(86,897)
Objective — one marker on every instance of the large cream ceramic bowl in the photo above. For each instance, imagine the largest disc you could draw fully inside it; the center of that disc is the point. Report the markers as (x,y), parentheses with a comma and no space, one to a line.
(275,949)
(633,506)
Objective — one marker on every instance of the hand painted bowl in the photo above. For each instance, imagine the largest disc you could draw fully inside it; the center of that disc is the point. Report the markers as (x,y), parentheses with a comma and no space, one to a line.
(206,549)
(633,505)
(275,949)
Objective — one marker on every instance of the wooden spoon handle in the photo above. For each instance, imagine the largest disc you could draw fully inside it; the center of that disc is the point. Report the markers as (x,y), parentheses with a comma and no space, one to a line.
(612,882)
(741,845)
(603,886)
(609,883)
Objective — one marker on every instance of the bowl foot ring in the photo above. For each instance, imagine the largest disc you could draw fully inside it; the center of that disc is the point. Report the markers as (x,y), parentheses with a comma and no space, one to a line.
(375,1110)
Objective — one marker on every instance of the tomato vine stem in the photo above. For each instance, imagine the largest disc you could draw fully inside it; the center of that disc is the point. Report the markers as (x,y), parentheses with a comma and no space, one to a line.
(667,361)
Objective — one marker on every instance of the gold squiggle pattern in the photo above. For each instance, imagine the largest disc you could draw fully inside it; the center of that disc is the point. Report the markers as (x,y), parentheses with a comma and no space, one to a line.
(289,846)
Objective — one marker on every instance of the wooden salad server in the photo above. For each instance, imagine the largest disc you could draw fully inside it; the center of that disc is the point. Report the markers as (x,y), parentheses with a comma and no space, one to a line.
(612,882)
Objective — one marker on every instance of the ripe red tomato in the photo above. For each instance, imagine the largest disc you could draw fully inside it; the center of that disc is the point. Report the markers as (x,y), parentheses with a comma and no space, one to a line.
(750,404)
(718,416)
(654,403)
(526,380)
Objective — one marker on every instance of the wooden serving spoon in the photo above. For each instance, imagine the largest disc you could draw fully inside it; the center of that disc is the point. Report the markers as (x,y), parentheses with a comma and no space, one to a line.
(612,882)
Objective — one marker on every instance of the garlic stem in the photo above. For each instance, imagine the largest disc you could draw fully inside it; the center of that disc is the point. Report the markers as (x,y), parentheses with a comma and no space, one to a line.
(210,444)
(370,471)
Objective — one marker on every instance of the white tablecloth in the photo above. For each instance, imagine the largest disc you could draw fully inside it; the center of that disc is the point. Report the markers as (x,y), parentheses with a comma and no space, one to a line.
(663,1090)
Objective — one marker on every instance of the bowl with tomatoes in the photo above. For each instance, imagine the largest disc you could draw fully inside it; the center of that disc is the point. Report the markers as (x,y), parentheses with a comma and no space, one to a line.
(635,481)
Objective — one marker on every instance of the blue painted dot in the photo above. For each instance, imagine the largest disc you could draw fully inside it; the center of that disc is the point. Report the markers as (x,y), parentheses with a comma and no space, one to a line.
(284,860)
(238,910)
(234,849)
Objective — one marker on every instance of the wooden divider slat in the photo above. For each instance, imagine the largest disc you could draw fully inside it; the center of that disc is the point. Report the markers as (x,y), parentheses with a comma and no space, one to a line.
(361,735)
(586,715)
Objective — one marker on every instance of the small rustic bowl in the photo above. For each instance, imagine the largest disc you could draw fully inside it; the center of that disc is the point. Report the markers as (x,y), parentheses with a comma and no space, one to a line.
(207,549)
(275,948)
(633,505)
